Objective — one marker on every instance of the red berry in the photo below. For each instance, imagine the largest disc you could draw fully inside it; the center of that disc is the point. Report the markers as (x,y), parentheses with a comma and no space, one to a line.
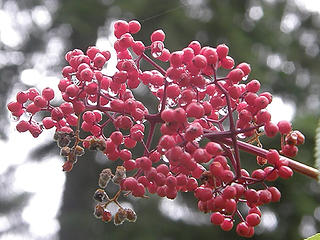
(235,75)
(253,86)
(226,225)
(264,196)
(117,138)
(252,196)
(134,26)
(14,106)
(253,219)
(130,183)
(40,101)
(227,63)
(199,61)
(22,97)
(195,110)
(284,127)
(229,192)
(23,126)
(48,122)
(285,172)
(243,229)
(216,218)
(271,129)
(48,93)
(158,35)
(245,67)
(195,46)
(222,51)
(276,194)
(273,156)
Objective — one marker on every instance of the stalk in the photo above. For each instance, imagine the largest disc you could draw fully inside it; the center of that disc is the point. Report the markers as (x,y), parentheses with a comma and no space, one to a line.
(295,165)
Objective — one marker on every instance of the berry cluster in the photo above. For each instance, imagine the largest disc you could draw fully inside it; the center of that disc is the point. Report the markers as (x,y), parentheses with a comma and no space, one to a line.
(205,119)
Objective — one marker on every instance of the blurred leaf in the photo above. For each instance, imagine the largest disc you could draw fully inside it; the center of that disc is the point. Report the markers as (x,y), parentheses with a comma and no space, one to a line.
(314,237)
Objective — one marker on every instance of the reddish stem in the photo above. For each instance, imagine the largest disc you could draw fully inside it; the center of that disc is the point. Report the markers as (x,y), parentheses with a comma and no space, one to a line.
(232,129)
(295,165)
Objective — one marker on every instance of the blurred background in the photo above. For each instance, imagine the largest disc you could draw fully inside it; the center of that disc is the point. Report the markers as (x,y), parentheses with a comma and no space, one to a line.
(279,38)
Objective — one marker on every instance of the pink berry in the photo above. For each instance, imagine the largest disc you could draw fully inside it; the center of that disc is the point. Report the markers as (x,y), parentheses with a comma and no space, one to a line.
(243,229)
(199,61)
(92,52)
(158,35)
(195,110)
(235,75)
(222,51)
(22,97)
(216,218)
(284,127)
(252,196)
(134,26)
(271,129)
(176,59)
(120,27)
(285,172)
(14,106)
(229,192)
(276,194)
(48,122)
(245,67)
(253,219)
(227,63)
(48,93)
(23,126)
(195,46)
(226,225)
(57,114)
(32,93)
(253,86)
(40,101)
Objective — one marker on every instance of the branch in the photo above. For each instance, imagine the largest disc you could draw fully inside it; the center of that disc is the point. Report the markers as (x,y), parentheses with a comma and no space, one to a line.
(295,165)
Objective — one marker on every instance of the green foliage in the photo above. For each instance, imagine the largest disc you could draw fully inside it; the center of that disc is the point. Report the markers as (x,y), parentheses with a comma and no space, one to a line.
(314,237)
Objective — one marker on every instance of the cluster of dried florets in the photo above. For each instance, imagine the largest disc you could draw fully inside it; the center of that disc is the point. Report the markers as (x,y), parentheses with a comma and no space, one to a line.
(205,120)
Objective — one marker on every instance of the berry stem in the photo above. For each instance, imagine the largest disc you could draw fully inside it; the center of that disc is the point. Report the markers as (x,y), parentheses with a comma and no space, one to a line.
(232,128)
(295,165)
(149,60)
(150,136)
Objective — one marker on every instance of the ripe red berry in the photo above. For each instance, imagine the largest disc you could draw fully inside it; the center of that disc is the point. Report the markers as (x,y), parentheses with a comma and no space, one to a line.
(23,126)
(276,194)
(253,86)
(284,127)
(236,75)
(48,93)
(245,67)
(134,26)
(158,35)
(195,110)
(252,196)
(199,61)
(217,218)
(227,224)
(285,172)
(14,106)
(271,129)
(222,51)
(253,219)
(22,97)
(243,229)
